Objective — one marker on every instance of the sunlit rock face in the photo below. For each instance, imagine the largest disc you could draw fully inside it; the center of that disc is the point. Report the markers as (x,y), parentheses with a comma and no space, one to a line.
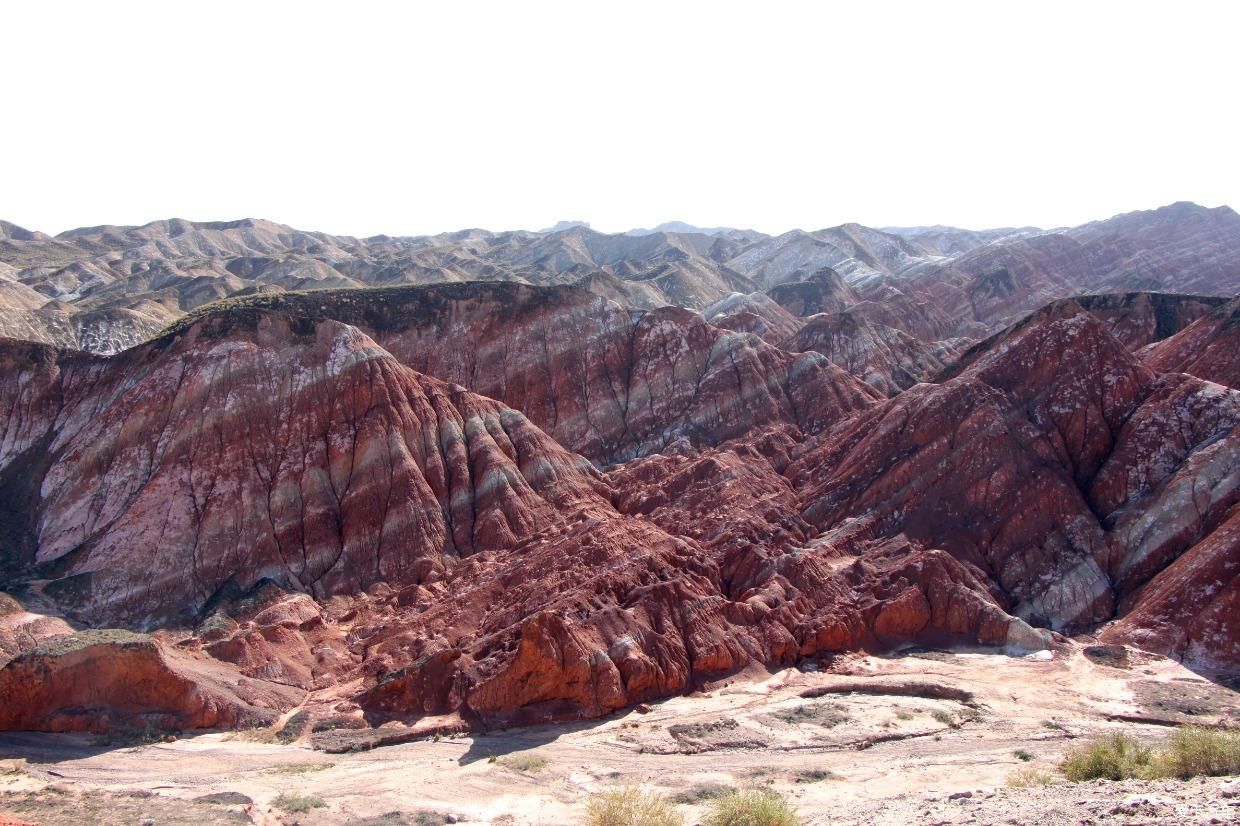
(516,503)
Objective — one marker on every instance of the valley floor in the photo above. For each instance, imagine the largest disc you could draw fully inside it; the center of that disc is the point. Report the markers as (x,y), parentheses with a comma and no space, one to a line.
(926,737)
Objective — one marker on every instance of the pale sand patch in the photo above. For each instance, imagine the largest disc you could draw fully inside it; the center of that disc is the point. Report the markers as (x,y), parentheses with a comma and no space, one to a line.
(887,756)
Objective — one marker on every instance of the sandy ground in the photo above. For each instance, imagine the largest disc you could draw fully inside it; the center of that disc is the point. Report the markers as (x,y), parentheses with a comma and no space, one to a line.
(933,740)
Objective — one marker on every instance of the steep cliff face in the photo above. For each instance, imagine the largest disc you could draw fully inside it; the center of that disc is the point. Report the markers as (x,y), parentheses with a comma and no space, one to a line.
(1207,348)
(1141,319)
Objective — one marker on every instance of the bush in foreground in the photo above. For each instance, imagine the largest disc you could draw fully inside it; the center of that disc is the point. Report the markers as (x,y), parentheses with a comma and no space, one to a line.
(1194,751)
(750,807)
(630,806)
(1115,757)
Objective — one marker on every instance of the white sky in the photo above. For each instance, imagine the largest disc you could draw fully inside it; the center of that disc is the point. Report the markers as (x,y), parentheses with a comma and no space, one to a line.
(407,118)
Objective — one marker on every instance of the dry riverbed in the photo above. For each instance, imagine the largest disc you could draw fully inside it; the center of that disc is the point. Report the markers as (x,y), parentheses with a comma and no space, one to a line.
(926,737)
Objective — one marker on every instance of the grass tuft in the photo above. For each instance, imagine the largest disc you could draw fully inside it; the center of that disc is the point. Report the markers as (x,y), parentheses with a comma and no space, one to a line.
(815,776)
(1029,776)
(302,768)
(524,762)
(630,806)
(1115,757)
(700,792)
(750,807)
(826,715)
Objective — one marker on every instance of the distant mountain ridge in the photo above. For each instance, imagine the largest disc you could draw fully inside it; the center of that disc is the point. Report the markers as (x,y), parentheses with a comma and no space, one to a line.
(107,288)
(682,227)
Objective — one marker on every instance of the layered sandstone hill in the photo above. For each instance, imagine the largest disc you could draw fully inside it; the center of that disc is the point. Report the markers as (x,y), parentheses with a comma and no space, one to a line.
(1050,457)
(884,358)
(314,501)
(260,447)
(604,380)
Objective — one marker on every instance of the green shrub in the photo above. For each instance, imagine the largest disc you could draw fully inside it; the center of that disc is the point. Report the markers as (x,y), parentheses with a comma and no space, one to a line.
(1116,757)
(1023,754)
(298,804)
(750,807)
(1194,751)
(630,806)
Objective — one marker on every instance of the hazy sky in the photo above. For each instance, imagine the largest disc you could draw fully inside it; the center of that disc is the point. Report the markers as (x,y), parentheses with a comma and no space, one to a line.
(407,118)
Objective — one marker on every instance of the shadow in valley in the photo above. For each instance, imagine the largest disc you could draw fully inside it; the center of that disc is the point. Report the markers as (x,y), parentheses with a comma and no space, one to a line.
(486,745)
(41,747)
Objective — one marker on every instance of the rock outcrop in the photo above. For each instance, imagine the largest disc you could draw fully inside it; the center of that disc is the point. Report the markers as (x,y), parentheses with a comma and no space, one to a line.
(1141,319)
(824,291)
(100,681)
(1190,609)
